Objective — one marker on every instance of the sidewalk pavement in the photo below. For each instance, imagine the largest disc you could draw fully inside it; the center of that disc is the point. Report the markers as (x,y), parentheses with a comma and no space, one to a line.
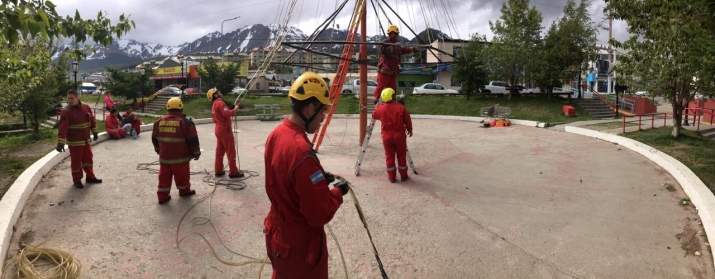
(516,202)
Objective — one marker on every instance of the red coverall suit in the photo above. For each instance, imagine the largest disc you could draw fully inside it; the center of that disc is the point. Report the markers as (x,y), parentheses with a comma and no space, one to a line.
(225,143)
(395,120)
(389,66)
(134,120)
(176,141)
(74,130)
(111,126)
(301,205)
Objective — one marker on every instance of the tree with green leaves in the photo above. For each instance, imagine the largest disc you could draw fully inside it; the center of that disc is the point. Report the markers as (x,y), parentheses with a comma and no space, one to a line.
(223,77)
(672,46)
(129,85)
(566,47)
(470,69)
(516,39)
(23,20)
(45,87)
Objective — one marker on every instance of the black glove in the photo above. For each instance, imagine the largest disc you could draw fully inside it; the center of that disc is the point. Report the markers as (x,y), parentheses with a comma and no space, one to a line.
(96,137)
(60,147)
(329,177)
(196,158)
(343,186)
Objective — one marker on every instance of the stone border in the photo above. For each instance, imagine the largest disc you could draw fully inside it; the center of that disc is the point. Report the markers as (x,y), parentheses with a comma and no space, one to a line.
(697,191)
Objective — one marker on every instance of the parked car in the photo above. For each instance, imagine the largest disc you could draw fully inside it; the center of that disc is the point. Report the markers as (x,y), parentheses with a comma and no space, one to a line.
(433,88)
(642,93)
(353,87)
(496,87)
(239,90)
(172,90)
(521,89)
(285,89)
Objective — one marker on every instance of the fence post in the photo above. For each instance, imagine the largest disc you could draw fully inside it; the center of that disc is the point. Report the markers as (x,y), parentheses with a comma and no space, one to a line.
(639,122)
(624,125)
(652,121)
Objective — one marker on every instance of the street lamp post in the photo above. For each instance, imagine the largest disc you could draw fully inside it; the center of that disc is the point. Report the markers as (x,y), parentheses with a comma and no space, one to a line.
(181,60)
(141,89)
(222,50)
(75,65)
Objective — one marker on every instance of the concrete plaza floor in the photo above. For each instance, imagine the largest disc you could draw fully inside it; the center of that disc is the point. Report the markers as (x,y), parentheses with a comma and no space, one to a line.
(516,202)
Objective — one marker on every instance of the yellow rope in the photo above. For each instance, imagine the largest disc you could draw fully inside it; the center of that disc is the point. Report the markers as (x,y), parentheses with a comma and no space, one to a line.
(42,262)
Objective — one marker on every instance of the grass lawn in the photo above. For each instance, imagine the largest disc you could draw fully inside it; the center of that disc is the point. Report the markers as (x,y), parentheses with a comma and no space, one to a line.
(527,108)
(19,151)
(695,151)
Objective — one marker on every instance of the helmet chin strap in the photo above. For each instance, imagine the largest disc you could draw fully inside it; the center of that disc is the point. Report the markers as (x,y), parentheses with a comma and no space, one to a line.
(307,121)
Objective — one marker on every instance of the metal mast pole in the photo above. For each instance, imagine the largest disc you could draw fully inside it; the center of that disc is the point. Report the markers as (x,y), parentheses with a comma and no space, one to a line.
(363,73)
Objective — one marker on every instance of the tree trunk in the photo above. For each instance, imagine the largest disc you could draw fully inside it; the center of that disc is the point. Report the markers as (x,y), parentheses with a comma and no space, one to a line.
(677,119)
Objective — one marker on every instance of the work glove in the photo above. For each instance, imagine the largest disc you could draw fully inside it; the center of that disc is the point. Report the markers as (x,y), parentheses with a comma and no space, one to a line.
(60,147)
(343,186)
(95,136)
(196,158)
(329,177)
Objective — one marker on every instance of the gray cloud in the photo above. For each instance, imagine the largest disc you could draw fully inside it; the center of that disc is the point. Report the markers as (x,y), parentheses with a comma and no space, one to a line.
(172,22)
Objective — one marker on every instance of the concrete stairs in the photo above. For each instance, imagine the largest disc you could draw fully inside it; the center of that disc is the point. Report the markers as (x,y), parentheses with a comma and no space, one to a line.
(158,103)
(595,107)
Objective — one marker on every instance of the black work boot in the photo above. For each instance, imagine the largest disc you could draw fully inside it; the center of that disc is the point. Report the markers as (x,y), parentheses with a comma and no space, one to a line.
(404,178)
(220,174)
(78,185)
(190,193)
(94,180)
(168,198)
(238,175)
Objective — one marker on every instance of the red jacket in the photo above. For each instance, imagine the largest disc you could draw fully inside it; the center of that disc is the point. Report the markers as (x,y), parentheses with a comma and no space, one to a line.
(75,125)
(394,118)
(294,179)
(389,63)
(175,139)
(111,123)
(221,115)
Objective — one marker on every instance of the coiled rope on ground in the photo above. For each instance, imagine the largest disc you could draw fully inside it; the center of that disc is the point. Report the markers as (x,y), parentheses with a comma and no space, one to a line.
(41,261)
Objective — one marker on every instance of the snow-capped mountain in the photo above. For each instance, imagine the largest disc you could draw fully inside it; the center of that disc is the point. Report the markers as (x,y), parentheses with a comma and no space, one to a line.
(126,52)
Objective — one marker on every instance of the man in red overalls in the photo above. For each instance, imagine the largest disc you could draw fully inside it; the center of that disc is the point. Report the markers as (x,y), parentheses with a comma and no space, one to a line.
(76,121)
(130,118)
(225,143)
(111,126)
(176,141)
(301,201)
(389,65)
(395,121)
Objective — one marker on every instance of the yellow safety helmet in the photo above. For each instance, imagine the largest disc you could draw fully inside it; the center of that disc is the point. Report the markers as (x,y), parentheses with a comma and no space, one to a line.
(211,93)
(174,103)
(387,94)
(309,85)
(393,29)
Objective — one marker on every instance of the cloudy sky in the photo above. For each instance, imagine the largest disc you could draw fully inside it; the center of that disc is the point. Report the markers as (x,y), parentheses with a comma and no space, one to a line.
(172,22)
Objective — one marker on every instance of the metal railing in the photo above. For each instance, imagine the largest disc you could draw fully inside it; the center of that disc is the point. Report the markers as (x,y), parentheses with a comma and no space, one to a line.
(696,114)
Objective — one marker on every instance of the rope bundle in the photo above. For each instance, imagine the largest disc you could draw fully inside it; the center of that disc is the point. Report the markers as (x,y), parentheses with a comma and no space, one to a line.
(42,262)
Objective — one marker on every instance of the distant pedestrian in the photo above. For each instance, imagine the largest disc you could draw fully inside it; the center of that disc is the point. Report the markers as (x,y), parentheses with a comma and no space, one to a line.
(76,123)
(108,102)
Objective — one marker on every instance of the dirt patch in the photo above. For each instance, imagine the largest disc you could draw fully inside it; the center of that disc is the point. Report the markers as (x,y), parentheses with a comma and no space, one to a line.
(26,238)
(689,240)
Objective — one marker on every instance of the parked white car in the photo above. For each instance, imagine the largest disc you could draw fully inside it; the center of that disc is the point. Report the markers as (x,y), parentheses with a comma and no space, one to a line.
(172,90)
(433,88)
(642,93)
(285,89)
(353,87)
(238,90)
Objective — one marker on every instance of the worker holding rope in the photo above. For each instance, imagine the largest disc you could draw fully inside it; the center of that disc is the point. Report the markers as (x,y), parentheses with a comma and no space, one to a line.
(176,141)
(395,122)
(297,186)
(221,115)
(388,67)
(76,123)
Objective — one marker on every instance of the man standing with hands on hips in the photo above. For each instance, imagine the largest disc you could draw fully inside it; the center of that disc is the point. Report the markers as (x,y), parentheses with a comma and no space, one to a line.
(225,143)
